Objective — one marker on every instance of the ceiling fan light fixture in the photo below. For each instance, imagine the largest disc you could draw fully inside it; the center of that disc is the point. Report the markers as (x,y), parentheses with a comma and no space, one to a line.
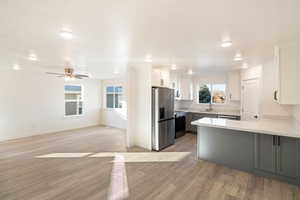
(69,78)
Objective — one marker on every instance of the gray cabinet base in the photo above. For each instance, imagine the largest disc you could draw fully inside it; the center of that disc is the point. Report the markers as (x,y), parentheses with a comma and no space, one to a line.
(232,148)
(227,147)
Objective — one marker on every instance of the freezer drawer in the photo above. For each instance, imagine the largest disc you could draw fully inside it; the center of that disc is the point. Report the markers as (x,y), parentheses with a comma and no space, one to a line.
(164,135)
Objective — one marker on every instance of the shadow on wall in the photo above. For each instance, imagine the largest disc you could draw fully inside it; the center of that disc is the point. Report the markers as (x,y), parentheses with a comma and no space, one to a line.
(115,117)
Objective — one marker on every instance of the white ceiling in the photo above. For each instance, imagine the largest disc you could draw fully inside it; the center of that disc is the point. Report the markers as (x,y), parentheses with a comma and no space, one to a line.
(109,34)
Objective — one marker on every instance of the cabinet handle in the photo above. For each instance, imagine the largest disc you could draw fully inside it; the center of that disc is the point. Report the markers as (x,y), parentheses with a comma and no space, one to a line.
(278,141)
(227,117)
(275,95)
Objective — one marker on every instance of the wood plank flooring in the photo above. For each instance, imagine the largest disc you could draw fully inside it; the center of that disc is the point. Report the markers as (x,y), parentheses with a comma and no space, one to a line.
(23,175)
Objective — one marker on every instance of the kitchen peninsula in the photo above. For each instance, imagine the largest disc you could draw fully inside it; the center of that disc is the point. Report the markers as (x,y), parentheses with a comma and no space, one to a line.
(265,147)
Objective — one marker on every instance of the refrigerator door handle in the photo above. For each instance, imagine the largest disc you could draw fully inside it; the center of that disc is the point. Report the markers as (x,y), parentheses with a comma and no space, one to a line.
(162,120)
(161,113)
(156,125)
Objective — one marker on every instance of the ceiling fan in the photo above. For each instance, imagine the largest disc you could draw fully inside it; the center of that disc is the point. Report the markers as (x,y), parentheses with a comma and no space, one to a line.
(69,74)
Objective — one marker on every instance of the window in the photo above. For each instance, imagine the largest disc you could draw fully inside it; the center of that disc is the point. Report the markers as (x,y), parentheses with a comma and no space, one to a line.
(218,93)
(212,93)
(73,100)
(114,95)
(205,94)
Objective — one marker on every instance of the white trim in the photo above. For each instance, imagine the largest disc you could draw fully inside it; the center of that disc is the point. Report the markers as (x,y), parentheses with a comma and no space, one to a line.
(70,116)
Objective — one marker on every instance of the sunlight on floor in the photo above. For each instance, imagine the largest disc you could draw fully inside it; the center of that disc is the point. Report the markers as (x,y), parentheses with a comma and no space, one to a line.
(118,188)
(146,156)
(64,155)
(127,156)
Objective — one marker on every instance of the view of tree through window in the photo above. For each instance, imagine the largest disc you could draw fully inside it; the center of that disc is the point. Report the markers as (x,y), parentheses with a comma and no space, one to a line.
(204,94)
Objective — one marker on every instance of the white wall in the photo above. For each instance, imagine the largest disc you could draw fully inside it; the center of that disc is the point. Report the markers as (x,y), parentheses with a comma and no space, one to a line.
(139,106)
(296,113)
(113,117)
(32,103)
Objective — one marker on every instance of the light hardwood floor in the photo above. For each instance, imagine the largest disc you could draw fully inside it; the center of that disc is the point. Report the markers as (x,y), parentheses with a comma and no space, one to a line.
(24,174)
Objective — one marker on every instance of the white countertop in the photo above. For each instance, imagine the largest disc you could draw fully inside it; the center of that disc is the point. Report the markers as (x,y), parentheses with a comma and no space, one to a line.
(236,113)
(265,126)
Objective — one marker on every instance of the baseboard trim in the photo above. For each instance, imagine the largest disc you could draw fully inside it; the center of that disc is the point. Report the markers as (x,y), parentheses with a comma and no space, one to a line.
(46,133)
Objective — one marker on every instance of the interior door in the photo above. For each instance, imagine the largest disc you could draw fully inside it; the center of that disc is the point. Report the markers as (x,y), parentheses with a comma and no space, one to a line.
(250,92)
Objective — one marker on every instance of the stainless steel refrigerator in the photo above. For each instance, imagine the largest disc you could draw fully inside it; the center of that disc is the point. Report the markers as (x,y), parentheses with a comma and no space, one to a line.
(163,121)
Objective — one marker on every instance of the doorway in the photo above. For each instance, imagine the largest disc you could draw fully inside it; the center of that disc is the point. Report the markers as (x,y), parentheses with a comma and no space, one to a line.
(250,99)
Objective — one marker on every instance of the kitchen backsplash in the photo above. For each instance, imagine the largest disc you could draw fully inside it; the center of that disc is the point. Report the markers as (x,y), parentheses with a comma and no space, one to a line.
(191,105)
(297,113)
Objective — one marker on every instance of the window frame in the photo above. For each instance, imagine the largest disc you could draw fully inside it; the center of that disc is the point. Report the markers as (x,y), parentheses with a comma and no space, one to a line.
(114,93)
(78,102)
(211,92)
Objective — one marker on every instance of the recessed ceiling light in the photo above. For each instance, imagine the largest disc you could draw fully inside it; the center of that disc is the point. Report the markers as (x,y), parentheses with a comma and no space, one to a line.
(173,67)
(238,57)
(226,43)
(190,72)
(245,66)
(16,67)
(32,57)
(66,34)
(148,59)
(116,71)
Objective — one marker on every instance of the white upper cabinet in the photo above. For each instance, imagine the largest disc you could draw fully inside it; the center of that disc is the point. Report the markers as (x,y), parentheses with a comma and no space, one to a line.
(161,78)
(182,85)
(234,86)
(185,88)
(287,66)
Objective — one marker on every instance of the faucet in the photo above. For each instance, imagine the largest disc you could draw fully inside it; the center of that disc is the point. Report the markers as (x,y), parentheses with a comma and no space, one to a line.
(209,108)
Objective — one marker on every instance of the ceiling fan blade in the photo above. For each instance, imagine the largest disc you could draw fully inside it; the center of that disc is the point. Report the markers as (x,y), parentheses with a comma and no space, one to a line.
(60,74)
(82,75)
